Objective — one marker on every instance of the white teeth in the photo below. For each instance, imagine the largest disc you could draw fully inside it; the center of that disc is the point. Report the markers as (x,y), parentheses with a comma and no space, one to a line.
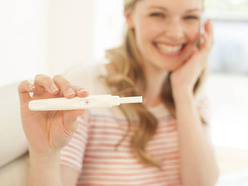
(169,49)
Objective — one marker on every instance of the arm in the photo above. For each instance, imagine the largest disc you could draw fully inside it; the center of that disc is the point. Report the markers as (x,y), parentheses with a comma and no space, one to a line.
(48,171)
(48,132)
(197,157)
(69,176)
(44,170)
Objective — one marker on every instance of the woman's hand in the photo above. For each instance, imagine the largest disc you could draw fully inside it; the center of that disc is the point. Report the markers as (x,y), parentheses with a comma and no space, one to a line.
(185,77)
(48,131)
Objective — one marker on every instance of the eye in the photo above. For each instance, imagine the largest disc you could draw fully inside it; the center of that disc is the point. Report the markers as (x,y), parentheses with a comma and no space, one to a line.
(191,17)
(159,15)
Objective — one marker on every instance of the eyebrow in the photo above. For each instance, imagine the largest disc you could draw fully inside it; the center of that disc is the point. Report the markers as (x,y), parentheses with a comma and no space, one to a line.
(165,9)
(158,7)
(194,10)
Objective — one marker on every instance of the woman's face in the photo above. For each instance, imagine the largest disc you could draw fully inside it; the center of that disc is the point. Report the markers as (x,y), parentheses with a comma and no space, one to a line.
(166,30)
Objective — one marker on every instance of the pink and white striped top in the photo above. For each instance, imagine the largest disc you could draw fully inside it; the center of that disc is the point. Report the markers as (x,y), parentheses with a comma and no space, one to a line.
(92,150)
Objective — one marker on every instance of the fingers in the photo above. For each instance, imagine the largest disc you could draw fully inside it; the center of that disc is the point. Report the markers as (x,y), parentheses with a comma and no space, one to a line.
(65,86)
(208,37)
(24,89)
(68,90)
(70,124)
(209,27)
(44,84)
(57,86)
(81,92)
(71,115)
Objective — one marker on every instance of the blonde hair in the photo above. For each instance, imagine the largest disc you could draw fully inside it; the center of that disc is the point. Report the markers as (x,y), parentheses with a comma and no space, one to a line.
(128,79)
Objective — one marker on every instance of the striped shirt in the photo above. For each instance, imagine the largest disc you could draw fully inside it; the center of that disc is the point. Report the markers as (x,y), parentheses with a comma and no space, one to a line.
(93,152)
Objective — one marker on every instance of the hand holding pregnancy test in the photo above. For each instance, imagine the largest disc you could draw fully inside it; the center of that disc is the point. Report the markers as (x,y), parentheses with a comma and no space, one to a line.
(96,101)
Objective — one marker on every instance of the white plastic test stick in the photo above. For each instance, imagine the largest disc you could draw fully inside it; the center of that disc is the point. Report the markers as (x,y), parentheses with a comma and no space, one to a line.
(96,101)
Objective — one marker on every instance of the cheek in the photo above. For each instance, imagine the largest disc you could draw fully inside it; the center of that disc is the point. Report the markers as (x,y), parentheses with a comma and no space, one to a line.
(148,31)
(193,33)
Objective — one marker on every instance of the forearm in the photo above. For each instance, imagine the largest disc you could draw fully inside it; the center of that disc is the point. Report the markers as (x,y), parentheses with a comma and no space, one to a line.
(44,171)
(197,158)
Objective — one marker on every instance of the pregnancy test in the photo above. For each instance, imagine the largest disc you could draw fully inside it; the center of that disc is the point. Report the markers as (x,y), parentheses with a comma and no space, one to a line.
(95,101)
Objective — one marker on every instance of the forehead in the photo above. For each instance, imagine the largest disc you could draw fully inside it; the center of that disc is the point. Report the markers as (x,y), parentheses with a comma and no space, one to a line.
(172,5)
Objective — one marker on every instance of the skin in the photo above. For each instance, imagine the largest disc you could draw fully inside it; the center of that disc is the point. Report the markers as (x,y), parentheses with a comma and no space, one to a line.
(167,24)
(163,22)
(48,132)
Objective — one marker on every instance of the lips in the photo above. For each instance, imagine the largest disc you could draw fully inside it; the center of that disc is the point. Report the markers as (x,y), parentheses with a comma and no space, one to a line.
(170,49)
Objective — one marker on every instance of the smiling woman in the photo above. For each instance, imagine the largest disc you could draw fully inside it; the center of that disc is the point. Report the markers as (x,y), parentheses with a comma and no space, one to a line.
(163,141)
(158,40)
(168,31)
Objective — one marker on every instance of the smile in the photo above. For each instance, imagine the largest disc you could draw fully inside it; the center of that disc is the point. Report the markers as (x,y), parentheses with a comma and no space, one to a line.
(169,49)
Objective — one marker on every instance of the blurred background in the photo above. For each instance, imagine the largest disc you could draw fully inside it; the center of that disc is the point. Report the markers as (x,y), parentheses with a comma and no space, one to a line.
(42,36)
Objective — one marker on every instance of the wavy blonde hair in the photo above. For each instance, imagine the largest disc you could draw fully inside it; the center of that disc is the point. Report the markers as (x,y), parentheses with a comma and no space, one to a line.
(128,79)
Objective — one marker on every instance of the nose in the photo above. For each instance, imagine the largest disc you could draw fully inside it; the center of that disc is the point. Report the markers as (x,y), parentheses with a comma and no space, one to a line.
(174,30)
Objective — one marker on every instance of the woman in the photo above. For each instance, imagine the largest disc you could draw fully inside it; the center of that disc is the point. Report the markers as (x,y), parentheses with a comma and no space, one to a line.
(159,142)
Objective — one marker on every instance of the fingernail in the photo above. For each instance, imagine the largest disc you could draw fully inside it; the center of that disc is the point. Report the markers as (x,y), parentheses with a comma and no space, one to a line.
(70,91)
(81,90)
(53,87)
(31,86)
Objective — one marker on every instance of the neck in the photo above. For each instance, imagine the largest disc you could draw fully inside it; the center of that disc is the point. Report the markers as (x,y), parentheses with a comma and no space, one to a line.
(155,80)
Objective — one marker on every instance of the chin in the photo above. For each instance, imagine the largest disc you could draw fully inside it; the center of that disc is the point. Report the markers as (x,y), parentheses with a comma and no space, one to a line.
(170,66)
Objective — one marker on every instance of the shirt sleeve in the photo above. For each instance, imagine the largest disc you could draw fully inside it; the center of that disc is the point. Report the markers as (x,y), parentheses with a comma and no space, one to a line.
(72,154)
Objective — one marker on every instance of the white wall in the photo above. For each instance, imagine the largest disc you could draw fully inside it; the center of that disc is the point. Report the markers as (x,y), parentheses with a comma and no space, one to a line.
(108,25)
(22,39)
(70,33)
(38,36)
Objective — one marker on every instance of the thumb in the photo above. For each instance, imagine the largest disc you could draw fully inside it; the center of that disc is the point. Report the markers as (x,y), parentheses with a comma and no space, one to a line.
(70,118)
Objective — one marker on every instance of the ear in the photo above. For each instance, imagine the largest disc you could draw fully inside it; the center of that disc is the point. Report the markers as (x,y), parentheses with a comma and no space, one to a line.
(129,19)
